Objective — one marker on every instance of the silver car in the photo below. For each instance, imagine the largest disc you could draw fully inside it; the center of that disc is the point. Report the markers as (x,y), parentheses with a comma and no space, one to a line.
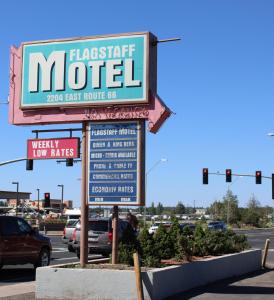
(99,235)
(68,231)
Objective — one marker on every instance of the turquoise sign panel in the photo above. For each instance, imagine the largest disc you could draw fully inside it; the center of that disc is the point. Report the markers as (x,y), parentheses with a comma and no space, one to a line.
(93,71)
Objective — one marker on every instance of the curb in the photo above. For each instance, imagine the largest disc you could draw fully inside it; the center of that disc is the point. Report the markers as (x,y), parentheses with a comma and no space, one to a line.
(26,296)
(20,291)
(52,233)
(245,229)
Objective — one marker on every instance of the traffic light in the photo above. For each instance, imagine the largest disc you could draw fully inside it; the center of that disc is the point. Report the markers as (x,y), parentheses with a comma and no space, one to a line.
(258,176)
(29,164)
(47,199)
(69,162)
(228,175)
(205,176)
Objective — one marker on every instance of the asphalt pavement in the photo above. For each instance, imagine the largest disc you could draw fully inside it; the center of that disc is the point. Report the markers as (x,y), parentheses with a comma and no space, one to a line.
(255,286)
(18,282)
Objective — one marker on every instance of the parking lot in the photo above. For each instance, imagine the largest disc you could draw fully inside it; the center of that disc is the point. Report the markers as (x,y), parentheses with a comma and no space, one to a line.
(60,255)
(25,273)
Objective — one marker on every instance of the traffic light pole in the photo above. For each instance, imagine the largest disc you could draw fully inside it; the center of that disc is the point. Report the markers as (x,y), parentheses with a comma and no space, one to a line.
(258,181)
(241,175)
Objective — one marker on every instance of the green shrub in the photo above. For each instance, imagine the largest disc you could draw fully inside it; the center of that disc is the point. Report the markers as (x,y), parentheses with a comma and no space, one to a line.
(179,244)
(199,241)
(184,248)
(164,243)
(128,244)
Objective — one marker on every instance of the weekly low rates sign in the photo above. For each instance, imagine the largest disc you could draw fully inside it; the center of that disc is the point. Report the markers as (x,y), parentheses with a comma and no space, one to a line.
(116,163)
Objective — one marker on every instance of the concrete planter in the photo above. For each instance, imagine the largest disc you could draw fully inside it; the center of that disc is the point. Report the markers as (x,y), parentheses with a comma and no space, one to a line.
(85,284)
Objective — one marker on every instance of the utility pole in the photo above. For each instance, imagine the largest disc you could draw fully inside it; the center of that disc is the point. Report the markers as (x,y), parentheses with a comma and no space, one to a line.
(38,198)
(62,197)
(17,195)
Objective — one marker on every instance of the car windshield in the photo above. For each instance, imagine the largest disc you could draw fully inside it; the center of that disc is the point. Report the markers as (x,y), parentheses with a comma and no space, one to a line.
(72,223)
(98,225)
(156,224)
(215,223)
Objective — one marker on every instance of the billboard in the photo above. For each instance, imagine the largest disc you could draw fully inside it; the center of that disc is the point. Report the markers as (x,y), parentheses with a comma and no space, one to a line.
(116,163)
(86,71)
(53,148)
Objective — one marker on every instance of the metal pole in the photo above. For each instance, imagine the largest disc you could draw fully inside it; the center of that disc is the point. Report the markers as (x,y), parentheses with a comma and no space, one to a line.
(115,235)
(169,40)
(272,197)
(38,191)
(145,207)
(62,200)
(154,166)
(17,196)
(228,208)
(11,161)
(84,206)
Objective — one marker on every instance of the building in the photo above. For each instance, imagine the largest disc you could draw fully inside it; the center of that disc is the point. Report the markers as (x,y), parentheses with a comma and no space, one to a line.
(200,211)
(12,196)
(54,203)
(24,199)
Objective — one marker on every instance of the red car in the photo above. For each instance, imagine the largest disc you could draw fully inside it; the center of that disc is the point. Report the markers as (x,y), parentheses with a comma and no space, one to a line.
(21,244)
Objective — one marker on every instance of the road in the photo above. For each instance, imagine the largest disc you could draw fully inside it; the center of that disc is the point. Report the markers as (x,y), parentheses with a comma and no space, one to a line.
(60,255)
(257,238)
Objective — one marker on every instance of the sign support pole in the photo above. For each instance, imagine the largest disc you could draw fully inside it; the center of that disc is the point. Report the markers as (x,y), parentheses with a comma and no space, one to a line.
(84,206)
(115,235)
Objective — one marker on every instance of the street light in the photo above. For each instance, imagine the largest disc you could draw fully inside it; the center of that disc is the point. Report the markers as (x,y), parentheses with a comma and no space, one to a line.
(17,195)
(153,167)
(38,198)
(272,134)
(62,197)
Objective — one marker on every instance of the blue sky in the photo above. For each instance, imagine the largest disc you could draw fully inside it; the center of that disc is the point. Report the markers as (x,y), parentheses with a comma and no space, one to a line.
(218,80)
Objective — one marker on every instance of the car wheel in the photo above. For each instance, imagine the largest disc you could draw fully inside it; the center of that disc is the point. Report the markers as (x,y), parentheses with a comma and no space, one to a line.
(78,252)
(70,248)
(44,258)
(105,253)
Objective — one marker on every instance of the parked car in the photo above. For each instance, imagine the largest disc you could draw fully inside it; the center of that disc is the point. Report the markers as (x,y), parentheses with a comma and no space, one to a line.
(68,231)
(191,226)
(72,239)
(153,228)
(20,243)
(217,225)
(99,235)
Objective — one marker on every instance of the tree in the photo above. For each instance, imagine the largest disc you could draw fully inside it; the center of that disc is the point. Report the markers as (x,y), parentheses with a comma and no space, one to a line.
(180,208)
(152,209)
(159,209)
(253,214)
(231,209)
(217,210)
(253,203)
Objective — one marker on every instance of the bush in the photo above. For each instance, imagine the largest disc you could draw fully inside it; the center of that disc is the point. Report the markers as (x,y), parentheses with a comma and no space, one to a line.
(128,244)
(184,247)
(179,244)
(164,243)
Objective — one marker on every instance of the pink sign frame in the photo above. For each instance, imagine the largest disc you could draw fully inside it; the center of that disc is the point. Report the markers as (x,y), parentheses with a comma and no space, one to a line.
(156,112)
